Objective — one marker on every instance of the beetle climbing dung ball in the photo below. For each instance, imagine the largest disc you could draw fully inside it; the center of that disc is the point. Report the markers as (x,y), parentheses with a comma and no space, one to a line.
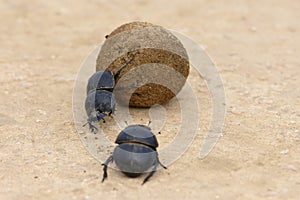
(100,101)
(157,72)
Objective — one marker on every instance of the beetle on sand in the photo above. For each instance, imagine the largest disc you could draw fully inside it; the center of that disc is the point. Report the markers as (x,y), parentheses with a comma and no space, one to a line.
(135,153)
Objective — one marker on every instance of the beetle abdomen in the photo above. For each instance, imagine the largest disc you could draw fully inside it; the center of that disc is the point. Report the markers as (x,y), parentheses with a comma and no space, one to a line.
(101,80)
(100,100)
(134,159)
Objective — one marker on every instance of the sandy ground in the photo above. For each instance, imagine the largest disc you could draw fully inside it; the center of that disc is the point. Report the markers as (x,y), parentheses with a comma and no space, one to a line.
(255,45)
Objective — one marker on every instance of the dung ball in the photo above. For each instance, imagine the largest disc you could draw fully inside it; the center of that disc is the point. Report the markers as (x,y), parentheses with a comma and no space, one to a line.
(155,63)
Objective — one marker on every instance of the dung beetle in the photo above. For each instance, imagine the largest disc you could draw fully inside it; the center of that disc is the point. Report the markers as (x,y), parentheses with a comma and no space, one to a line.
(135,153)
(100,101)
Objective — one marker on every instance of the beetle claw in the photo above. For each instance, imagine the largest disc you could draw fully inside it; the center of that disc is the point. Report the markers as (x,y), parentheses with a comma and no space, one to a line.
(93,128)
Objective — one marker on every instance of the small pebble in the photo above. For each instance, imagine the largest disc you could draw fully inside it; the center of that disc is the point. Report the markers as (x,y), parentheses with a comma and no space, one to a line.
(53,56)
(42,112)
(253,29)
(284,151)
(292,167)
(215,135)
(87,197)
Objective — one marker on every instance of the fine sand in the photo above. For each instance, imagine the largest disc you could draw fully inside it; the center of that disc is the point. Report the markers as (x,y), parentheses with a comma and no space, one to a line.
(255,46)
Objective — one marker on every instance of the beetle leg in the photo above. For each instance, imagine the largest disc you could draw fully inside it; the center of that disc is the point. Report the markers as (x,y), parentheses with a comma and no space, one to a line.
(151,173)
(93,128)
(109,159)
(100,116)
(154,170)
(124,65)
(161,164)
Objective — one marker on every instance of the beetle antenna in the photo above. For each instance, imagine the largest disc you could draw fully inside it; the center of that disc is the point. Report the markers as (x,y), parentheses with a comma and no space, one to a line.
(124,65)
(149,122)
(126,123)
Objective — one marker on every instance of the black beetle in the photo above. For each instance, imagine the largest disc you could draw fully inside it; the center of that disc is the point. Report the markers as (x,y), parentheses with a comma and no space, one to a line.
(100,101)
(135,153)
